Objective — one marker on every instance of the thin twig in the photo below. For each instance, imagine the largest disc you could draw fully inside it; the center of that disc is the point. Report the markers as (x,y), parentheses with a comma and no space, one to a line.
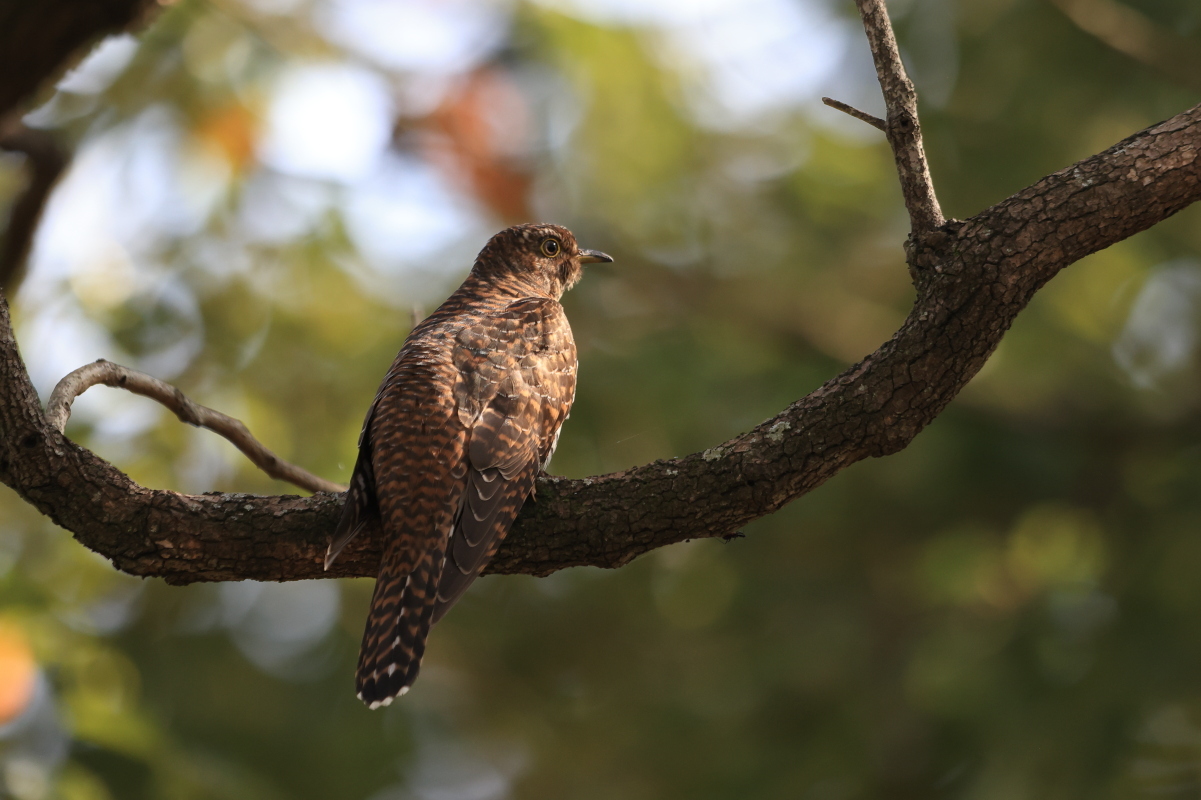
(902,127)
(58,411)
(875,122)
(46,161)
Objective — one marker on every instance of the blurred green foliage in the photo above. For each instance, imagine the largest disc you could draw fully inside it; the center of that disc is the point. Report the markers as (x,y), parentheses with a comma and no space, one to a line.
(1010,608)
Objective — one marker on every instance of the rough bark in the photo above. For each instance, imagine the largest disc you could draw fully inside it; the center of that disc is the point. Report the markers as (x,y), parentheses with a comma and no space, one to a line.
(973,277)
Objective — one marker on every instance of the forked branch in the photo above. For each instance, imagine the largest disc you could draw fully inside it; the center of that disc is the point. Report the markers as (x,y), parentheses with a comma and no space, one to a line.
(972,278)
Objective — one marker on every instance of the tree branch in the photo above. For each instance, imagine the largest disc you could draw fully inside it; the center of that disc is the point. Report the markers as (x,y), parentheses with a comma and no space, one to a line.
(901,126)
(58,411)
(38,39)
(46,163)
(875,122)
(972,279)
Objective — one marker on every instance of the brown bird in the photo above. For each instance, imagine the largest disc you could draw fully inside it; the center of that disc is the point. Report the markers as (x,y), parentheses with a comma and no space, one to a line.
(464,421)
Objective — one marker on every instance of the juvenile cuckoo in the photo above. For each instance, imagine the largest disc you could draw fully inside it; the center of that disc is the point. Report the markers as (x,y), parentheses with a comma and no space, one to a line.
(464,421)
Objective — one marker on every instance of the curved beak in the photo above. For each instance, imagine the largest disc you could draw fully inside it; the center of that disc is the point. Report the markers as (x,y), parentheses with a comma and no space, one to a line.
(595,257)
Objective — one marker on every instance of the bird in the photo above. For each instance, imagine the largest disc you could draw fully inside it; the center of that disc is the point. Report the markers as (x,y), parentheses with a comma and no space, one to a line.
(464,421)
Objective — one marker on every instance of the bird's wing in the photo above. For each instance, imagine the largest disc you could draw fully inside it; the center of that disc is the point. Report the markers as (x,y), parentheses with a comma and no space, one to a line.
(515,386)
(360,510)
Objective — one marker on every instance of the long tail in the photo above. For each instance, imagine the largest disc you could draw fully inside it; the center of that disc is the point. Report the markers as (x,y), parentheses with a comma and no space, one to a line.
(397,624)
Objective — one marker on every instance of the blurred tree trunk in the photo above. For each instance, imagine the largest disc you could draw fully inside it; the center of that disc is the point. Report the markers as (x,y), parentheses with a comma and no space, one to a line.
(39,39)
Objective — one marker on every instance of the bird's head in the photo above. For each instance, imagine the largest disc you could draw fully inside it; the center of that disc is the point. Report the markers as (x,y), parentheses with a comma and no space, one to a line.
(537,256)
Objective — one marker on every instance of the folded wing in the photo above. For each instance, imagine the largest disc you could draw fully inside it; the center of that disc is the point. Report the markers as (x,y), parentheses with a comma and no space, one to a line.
(516,386)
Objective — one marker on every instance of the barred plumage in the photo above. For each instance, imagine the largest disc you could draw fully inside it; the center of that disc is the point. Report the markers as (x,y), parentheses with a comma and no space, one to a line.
(463,422)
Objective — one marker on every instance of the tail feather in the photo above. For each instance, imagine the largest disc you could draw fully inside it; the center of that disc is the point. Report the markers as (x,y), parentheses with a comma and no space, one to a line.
(397,626)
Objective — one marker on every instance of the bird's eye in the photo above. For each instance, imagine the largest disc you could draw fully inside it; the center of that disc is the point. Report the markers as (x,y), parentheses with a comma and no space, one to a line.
(550,247)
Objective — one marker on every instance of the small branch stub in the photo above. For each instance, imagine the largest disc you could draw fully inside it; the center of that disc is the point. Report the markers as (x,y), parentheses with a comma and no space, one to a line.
(875,122)
(106,373)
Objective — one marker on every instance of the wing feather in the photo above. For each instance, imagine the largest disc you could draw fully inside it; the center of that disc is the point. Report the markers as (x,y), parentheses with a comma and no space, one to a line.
(517,386)
(360,510)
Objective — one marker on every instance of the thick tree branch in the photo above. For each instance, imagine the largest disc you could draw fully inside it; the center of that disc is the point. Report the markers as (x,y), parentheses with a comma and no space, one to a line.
(101,372)
(972,279)
(901,125)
